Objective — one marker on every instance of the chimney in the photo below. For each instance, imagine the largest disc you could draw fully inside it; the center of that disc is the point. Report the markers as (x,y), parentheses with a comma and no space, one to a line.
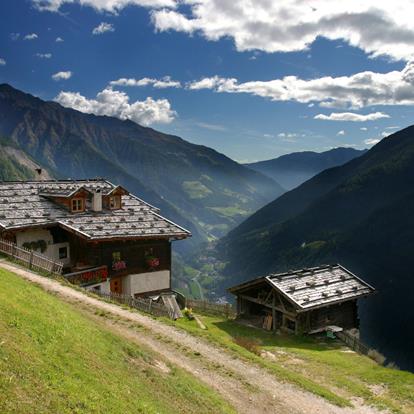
(97,200)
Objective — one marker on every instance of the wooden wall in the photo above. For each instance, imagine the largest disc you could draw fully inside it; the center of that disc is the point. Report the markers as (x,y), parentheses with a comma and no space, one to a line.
(344,314)
(133,253)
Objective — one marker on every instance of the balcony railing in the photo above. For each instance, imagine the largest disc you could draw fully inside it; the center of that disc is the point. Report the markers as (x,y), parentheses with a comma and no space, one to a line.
(88,277)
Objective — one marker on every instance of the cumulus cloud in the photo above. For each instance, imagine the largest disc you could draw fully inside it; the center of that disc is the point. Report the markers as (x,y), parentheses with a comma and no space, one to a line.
(2,62)
(378,28)
(59,39)
(351,116)
(355,91)
(31,36)
(112,6)
(44,55)
(165,82)
(341,132)
(364,129)
(64,75)
(115,103)
(103,28)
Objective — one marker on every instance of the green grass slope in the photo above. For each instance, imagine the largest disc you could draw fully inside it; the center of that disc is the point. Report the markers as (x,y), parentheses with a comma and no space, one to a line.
(55,360)
(320,365)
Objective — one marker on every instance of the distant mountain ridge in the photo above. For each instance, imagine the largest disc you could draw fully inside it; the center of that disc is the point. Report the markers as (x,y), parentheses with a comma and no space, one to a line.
(293,169)
(194,185)
(358,214)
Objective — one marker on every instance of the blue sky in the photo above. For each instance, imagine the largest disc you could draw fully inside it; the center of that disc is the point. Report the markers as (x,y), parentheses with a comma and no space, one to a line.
(251,83)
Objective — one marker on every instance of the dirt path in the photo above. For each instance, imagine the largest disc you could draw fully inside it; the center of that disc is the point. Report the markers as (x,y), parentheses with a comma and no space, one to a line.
(248,387)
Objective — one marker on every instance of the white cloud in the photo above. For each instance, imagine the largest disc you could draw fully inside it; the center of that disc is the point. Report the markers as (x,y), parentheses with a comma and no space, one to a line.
(103,28)
(31,36)
(2,62)
(44,55)
(212,127)
(350,116)
(59,39)
(393,127)
(372,141)
(376,27)
(364,129)
(288,136)
(165,82)
(112,6)
(115,103)
(341,132)
(64,75)
(355,91)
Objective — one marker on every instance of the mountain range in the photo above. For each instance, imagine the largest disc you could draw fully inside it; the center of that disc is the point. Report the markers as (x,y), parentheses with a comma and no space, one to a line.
(293,169)
(197,187)
(358,214)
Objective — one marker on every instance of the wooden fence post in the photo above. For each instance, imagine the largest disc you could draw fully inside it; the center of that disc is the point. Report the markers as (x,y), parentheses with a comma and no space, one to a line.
(31,259)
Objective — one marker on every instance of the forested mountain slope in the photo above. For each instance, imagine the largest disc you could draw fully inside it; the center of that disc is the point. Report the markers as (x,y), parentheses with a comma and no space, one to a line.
(192,184)
(359,214)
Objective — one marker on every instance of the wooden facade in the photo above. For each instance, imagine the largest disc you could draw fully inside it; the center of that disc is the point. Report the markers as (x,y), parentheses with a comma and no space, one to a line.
(105,237)
(271,303)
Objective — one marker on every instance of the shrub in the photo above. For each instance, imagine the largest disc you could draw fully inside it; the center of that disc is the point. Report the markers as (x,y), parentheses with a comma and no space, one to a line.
(188,312)
(251,344)
(376,356)
(392,365)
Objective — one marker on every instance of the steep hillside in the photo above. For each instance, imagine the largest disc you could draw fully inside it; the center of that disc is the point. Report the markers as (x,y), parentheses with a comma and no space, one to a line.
(357,214)
(192,184)
(54,359)
(14,163)
(291,170)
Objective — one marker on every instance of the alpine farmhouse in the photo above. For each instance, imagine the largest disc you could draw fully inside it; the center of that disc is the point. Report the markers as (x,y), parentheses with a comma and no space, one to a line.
(108,239)
(303,301)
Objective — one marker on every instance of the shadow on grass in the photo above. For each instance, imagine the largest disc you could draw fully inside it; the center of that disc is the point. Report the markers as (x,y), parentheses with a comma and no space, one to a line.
(270,339)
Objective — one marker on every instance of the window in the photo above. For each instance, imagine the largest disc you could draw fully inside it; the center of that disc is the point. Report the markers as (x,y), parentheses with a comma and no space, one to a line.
(77,204)
(63,252)
(114,202)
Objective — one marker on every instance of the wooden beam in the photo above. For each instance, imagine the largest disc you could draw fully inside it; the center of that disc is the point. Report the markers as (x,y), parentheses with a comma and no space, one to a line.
(273,311)
(268,295)
(260,302)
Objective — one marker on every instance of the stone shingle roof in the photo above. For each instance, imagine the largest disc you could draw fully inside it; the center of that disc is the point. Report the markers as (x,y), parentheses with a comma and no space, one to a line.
(27,204)
(314,287)
(317,286)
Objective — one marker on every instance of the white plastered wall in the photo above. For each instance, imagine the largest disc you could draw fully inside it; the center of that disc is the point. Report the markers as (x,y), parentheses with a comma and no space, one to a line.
(104,287)
(52,250)
(146,282)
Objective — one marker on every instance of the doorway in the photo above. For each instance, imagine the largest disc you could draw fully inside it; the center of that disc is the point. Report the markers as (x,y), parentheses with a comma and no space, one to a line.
(116,285)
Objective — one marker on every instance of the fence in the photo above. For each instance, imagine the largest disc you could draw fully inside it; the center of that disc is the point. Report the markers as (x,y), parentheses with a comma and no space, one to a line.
(213,308)
(144,305)
(30,258)
(353,342)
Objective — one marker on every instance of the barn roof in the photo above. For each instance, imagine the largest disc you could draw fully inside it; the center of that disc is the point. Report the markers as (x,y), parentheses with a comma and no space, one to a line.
(314,287)
(26,204)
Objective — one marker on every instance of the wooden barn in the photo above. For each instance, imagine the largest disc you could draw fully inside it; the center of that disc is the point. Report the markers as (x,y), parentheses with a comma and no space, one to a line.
(106,238)
(302,301)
